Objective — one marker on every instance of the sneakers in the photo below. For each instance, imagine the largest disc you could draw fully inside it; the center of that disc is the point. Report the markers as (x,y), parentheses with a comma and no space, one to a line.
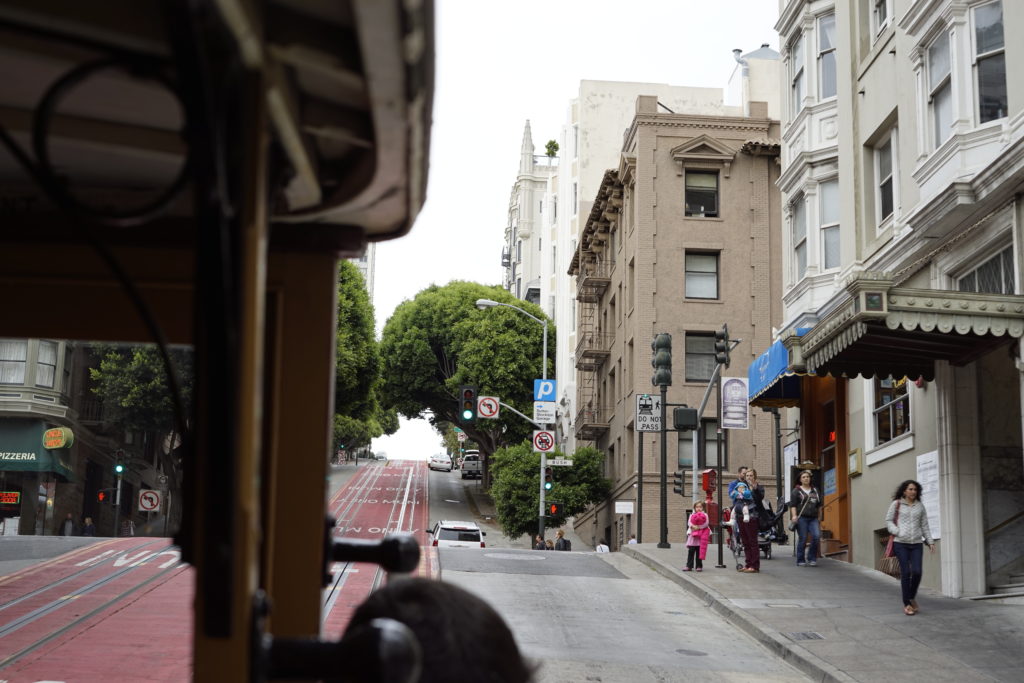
(812,563)
(687,569)
(698,569)
(801,564)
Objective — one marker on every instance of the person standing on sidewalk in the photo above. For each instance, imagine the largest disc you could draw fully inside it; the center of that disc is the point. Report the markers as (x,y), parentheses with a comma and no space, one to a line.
(697,536)
(538,543)
(804,507)
(745,513)
(909,532)
(561,542)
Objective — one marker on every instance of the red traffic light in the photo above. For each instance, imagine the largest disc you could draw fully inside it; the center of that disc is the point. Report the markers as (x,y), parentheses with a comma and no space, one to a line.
(101,496)
(554,509)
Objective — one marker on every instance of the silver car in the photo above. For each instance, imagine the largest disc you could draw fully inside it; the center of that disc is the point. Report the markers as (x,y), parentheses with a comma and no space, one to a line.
(454,534)
(440,461)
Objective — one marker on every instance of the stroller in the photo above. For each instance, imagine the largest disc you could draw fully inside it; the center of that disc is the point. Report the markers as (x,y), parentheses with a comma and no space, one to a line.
(767,534)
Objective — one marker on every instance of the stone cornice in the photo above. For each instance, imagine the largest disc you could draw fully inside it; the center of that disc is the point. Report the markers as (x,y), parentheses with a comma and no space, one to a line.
(703,121)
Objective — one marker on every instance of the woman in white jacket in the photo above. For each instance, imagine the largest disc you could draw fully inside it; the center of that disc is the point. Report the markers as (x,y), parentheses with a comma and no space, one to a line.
(907,521)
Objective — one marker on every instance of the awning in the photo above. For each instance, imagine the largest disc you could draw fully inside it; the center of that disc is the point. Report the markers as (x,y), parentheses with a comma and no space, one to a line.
(774,377)
(21,449)
(882,331)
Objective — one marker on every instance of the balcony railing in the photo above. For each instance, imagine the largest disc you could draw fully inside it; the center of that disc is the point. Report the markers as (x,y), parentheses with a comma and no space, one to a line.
(592,423)
(592,349)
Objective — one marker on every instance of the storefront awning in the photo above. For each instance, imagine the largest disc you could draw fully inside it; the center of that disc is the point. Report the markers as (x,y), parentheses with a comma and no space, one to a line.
(774,377)
(21,449)
(881,330)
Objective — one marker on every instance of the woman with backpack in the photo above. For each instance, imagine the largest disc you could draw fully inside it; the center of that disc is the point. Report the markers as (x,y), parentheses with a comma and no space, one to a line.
(804,506)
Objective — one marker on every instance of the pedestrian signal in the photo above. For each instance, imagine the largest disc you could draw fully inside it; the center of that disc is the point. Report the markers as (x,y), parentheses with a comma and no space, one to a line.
(101,497)
(554,509)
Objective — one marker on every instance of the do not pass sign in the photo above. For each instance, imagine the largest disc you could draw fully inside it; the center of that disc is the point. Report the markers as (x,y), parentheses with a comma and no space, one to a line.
(543,441)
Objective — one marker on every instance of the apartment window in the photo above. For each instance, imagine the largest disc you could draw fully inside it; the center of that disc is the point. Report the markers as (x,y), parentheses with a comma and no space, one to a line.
(828,198)
(994,276)
(827,56)
(940,89)
(540,244)
(575,202)
(885,171)
(631,288)
(702,194)
(796,73)
(46,364)
(519,250)
(13,355)
(701,275)
(700,356)
(519,288)
(554,208)
(892,409)
(881,12)
(990,61)
(799,237)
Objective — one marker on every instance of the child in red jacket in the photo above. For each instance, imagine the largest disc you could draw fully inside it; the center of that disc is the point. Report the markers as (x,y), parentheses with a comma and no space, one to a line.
(698,533)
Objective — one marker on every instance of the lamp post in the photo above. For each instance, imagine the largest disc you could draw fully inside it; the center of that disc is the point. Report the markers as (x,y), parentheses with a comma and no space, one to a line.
(488,303)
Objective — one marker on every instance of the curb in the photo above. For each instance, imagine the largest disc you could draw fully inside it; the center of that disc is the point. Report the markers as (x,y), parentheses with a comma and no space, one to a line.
(786,650)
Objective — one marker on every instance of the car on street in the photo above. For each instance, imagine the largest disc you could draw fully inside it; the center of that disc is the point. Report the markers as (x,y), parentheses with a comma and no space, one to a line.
(456,534)
(440,461)
(472,466)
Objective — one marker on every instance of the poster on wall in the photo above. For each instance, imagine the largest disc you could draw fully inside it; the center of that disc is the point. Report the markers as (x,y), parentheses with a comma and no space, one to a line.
(928,477)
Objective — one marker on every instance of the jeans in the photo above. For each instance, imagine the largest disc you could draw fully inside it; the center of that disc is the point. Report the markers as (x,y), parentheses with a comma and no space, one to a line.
(805,526)
(909,555)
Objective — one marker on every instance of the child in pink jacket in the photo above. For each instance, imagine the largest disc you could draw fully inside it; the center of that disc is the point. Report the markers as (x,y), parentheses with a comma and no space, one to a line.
(698,533)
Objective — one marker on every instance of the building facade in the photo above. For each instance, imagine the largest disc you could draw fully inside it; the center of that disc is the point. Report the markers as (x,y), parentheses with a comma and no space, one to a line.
(681,237)
(903,166)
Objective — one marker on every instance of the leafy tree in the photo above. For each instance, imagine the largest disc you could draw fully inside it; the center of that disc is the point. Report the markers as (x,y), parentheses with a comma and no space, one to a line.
(357,364)
(551,148)
(439,340)
(516,487)
(132,383)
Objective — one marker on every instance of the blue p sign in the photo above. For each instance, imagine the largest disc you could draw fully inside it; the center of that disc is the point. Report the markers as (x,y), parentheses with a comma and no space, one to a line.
(543,390)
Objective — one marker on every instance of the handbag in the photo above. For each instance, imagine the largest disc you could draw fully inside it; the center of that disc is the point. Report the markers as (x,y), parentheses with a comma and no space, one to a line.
(889,563)
(793,523)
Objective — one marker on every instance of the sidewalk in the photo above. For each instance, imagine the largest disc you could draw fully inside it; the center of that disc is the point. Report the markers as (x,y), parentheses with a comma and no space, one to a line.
(843,622)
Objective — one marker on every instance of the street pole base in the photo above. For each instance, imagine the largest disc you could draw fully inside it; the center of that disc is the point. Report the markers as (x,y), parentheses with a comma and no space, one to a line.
(664,545)
(719,566)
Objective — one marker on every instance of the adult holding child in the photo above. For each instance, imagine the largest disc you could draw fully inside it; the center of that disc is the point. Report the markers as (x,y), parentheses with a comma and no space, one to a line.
(907,521)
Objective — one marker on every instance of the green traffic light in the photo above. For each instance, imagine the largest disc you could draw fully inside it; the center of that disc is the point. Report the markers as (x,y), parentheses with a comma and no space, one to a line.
(119,468)
(547,486)
(467,414)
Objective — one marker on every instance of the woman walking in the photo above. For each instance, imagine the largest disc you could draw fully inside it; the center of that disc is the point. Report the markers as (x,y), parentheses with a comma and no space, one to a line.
(907,521)
(804,505)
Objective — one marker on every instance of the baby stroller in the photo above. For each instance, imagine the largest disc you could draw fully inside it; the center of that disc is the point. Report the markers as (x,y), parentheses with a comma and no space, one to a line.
(767,534)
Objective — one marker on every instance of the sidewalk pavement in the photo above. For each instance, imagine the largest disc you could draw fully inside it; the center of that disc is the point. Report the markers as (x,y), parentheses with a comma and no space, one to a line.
(843,622)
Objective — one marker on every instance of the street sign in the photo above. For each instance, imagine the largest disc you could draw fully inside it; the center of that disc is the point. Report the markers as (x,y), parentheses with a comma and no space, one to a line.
(461,436)
(544,412)
(487,406)
(560,462)
(648,413)
(544,390)
(543,441)
(149,500)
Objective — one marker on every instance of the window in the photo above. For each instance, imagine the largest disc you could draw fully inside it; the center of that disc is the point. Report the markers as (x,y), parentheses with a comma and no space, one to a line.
(701,276)
(940,89)
(13,355)
(575,201)
(709,443)
(46,364)
(827,56)
(884,191)
(554,208)
(994,276)
(799,238)
(990,62)
(540,244)
(796,72)
(828,197)
(519,250)
(892,409)
(700,356)
(880,15)
(702,194)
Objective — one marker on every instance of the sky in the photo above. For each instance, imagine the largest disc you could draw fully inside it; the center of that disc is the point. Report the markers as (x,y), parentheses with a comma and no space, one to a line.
(499,64)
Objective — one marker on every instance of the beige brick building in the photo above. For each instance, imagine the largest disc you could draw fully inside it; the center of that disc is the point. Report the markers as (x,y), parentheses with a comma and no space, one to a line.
(683,236)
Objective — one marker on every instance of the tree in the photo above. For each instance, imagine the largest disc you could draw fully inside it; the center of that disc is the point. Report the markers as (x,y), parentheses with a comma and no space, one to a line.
(357,356)
(439,340)
(516,487)
(132,383)
(551,147)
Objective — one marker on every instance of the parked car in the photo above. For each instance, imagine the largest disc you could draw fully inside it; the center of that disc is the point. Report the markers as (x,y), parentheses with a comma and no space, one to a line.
(454,534)
(472,466)
(440,461)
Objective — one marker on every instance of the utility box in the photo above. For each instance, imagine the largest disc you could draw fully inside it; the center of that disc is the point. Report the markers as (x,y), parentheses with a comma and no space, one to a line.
(708,479)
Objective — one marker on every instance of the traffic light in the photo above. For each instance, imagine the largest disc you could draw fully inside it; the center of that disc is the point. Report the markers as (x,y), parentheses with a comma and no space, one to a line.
(722,346)
(467,404)
(549,478)
(554,509)
(105,496)
(677,482)
(684,419)
(119,467)
(662,360)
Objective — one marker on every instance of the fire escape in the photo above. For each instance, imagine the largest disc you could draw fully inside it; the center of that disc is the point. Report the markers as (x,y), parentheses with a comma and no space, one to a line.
(592,266)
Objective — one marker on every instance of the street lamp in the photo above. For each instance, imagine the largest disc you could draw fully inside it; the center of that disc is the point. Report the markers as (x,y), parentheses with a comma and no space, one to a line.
(483,304)
(487,303)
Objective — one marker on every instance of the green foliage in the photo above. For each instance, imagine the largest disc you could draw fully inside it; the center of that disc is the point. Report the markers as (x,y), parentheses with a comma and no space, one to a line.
(551,147)
(439,340)
(132,383)
(357,364)
(516,486)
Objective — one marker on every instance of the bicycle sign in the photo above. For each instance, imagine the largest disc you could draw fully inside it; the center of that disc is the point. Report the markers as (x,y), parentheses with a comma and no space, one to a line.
(543,441)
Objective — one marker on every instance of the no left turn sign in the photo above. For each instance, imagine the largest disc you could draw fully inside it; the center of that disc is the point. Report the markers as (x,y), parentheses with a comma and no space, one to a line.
(543,441)
(149,500)
(487,406)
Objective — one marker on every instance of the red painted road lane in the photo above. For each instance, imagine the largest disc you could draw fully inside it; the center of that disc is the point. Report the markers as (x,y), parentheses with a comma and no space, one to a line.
(108,590)
(378,501)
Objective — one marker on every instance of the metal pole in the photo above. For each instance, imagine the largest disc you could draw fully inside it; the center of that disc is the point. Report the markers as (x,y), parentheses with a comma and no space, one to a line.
(663,543)
(544,361)
(779,494)
(117,507)
(718,477)
(640,490)
(543,456)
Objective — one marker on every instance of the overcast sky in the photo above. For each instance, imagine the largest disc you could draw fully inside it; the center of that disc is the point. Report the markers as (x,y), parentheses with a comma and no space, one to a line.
(501,63)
